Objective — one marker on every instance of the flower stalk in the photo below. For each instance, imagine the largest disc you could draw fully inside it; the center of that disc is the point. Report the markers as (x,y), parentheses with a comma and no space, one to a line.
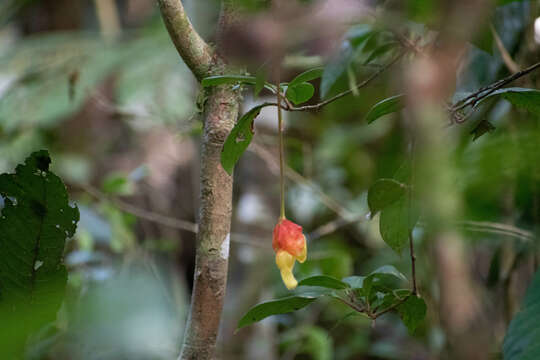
(281,154)
(288,242)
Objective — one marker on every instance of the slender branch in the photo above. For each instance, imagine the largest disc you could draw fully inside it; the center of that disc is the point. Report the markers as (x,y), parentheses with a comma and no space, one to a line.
(493,228)
(475,226)
(215,210)
(504,229)
(335,225)
(141,213)
(318,106)
(498,232)
(195,52)
(392,307)
(345,93)
(352,305)
(164,220)
(485,91)
(508,61)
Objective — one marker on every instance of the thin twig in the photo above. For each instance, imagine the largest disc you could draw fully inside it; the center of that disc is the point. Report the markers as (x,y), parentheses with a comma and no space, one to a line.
(335,225)
(160,219)
(364,83)
(142,213)
(485,91)
(392,307)
(497,228)
(345,93)
(492,228)
(352,305)
(281,152)
(507,59)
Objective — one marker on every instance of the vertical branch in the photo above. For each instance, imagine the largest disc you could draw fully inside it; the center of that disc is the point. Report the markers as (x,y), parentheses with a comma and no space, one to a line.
(196,53)
(213,238)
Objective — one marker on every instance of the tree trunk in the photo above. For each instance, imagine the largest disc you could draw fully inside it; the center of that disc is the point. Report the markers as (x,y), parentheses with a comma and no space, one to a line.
(213,238)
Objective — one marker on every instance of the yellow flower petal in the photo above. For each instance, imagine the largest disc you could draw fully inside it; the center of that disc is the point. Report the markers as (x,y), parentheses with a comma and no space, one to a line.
(285,263)
(288,279)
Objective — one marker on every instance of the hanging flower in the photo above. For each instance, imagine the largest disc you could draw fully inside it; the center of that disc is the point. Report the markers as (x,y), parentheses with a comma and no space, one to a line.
(289,243)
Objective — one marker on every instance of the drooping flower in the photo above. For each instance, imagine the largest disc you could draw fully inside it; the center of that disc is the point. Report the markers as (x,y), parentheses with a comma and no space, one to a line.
(289,243)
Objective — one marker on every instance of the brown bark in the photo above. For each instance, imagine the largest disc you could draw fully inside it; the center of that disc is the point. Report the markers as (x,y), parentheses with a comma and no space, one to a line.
(214,230)
(196,53)
(221,111)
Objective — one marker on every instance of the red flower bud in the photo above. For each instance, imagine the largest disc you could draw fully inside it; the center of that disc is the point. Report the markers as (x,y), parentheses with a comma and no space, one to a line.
(289,243)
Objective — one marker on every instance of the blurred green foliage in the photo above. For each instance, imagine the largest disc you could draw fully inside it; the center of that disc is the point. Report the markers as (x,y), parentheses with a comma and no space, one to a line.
(124,298)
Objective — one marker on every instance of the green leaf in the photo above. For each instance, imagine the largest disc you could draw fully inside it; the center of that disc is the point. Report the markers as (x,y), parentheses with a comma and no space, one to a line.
(394,224)
(300,93)
(35,222)
(528,99)
(260,81)
(358,34)
(482,128)
(412,312)
(274,307)
(384,192)
(336,68)
(384,107)
(306,76)
(522,340)
(355,40)
(394,298)
(228,79)
(380,51)
(386,278)
(355,282)
(387,270)
(353,84)
(238,140)
(400,217)
(324,281)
